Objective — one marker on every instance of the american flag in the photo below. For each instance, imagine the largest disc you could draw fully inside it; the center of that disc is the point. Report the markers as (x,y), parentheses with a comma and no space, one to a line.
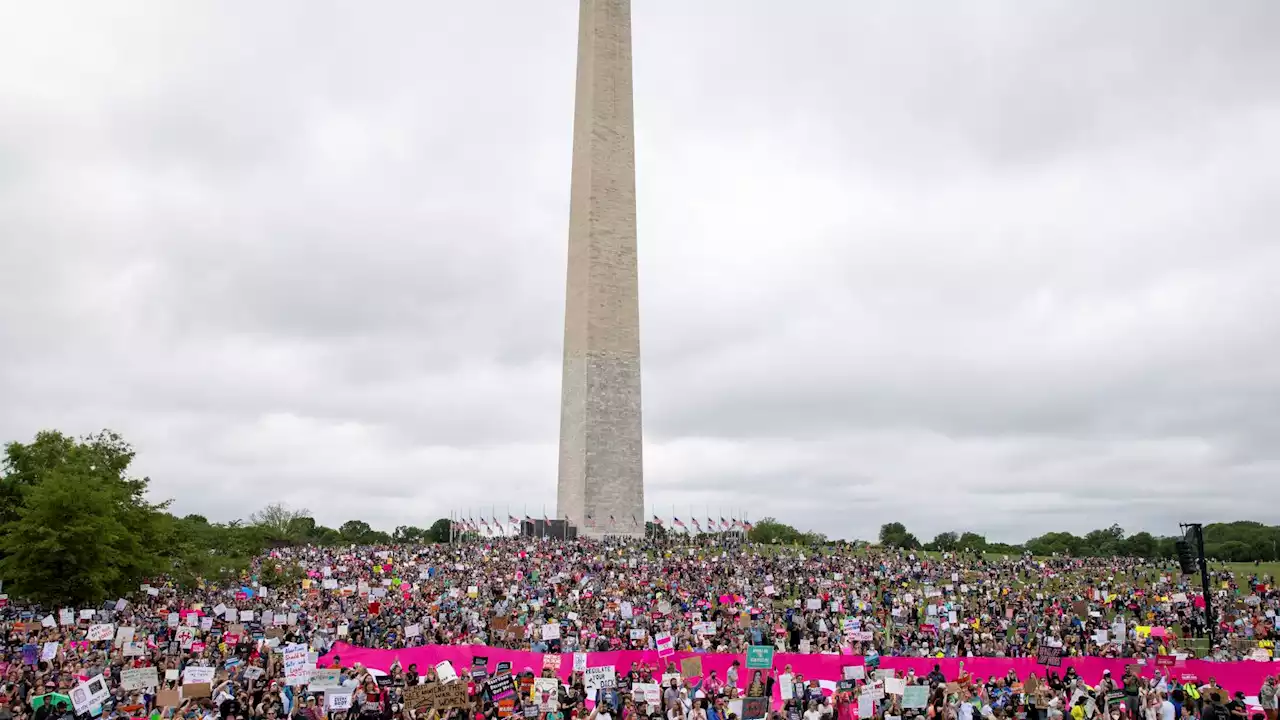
(657,521)
(512,519)
(676,521)
(696,526)
(724,523)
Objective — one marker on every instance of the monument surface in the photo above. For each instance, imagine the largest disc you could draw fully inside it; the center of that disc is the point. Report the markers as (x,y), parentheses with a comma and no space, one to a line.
(601,479)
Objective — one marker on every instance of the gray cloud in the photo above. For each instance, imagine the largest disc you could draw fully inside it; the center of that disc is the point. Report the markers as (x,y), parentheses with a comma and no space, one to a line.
(993,267)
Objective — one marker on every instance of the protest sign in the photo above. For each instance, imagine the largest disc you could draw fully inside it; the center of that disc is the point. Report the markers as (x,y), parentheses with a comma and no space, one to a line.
(445,672)
(139,678)
(916,696)
(89,694)
(193,674)
(759,657)
(546,693)
(296,671)
(599,678)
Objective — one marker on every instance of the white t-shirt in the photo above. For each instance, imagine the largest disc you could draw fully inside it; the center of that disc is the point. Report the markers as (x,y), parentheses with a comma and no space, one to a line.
(1166,710)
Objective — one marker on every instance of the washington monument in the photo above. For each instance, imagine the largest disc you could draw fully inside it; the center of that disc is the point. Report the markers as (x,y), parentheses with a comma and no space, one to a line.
(601,480)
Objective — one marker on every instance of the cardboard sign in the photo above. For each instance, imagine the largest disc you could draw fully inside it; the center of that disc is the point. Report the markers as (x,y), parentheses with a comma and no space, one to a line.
(169,698)
(453,695)
(691,668)
(417,697)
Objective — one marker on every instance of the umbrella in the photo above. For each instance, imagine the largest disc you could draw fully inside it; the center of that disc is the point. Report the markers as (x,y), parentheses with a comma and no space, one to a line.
(49,699)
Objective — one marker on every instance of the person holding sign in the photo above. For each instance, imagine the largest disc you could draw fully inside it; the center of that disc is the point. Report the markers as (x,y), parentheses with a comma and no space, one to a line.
(760,686)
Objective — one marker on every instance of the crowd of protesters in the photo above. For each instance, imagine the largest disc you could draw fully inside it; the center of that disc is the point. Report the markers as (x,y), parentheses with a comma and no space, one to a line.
(612,595)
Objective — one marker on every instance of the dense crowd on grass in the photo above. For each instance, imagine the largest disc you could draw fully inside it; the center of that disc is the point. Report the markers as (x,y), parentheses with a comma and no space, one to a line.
(592,596)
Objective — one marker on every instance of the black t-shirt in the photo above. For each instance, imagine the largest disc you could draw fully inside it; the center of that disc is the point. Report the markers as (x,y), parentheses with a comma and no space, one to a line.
(230,707)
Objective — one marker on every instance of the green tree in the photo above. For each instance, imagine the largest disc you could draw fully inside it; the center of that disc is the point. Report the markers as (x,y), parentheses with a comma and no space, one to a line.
(1055,543)
(972,542)
(280,523)
(82,530)
(408,534)
(895,535)
(770,531)
(1141,545)
(439,531)
(943,542)
(355,531)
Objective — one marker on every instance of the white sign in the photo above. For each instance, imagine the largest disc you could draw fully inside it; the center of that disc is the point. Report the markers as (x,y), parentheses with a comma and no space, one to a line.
(100,633)
(139,678)
(445,672)
(49,651)
(599,678)
(579,662)
(551,631)
(194,675)
(546,692)
(67,617)
(665,645)
(337,701)
(89,694)
(296,671)
(652,692)
(324,678)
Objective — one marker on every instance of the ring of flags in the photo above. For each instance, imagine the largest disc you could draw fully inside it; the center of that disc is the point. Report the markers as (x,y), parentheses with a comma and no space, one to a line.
(493,526)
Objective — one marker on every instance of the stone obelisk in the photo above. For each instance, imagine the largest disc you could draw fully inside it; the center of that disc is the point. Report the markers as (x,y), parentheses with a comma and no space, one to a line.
(601,481)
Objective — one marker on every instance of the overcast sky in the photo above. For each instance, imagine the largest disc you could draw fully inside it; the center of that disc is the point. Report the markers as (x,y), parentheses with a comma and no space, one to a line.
(1002,266)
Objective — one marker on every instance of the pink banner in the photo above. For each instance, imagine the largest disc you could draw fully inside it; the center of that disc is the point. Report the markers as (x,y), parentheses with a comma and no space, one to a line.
(1244,676)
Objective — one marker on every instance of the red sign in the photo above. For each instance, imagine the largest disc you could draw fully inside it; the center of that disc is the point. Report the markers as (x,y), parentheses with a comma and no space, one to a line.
(232,639)
(1165,660)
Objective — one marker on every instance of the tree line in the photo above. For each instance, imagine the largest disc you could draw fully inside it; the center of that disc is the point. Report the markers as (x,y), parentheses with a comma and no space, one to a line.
(1239,541)
(76,529)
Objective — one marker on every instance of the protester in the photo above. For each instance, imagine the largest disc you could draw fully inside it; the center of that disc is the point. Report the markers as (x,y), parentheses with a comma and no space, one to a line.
(248,651)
